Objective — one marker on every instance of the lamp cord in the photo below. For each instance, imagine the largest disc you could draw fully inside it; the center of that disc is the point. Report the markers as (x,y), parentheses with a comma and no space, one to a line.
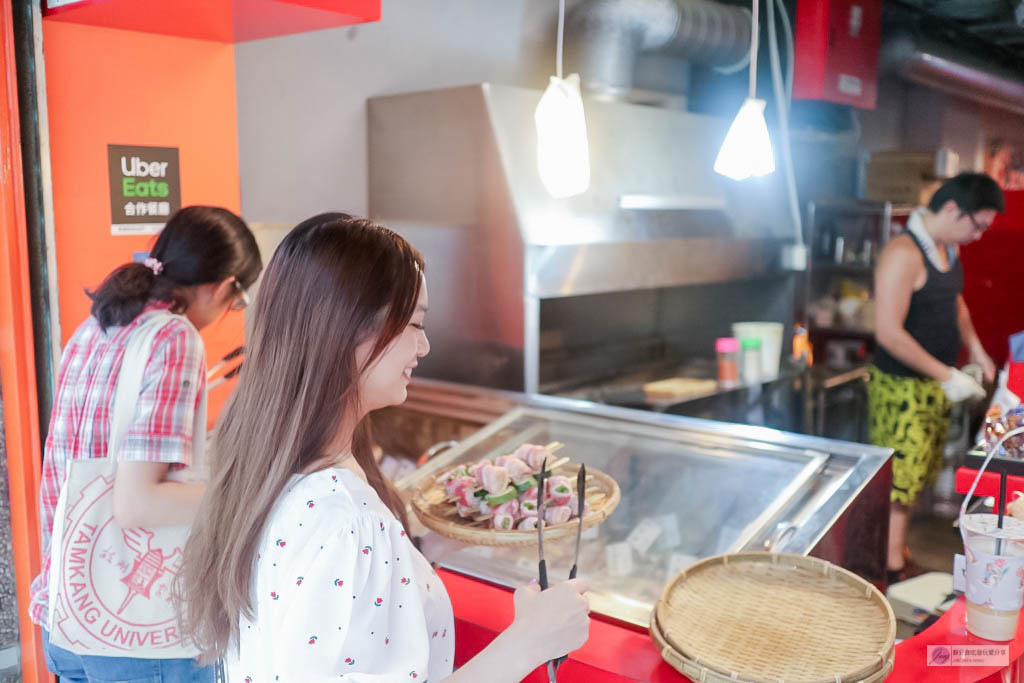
(753,47)
(782,105)
(558,44)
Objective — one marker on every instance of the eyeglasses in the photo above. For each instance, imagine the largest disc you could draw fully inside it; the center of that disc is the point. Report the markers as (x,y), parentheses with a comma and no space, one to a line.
(242,300)
(978,228)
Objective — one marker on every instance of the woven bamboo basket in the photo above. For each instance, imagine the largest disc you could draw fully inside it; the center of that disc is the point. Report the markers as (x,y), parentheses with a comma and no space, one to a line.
(767,617)
(430,506)
(703,674)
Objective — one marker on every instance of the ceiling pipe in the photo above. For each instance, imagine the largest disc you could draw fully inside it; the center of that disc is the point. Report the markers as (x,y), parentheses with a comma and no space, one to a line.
(946,68)
(606,37)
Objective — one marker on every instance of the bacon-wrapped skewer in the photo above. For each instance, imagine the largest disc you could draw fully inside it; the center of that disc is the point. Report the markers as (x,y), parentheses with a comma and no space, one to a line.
(503,493)
(559,490)
(503,522)
(453,473)
(504,460)
(456,489)
(476,470)
(528,523)
(533,455)
(520,472)
(558,514)
(509,509)
(574,505)
(495,479)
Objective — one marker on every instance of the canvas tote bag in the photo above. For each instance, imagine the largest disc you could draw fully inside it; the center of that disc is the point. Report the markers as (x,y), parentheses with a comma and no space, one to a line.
(110,588)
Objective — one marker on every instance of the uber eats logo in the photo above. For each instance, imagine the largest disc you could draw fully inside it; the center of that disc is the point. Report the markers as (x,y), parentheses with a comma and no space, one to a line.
(145,188)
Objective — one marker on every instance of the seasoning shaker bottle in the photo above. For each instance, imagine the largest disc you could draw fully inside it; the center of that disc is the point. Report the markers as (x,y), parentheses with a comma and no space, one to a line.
(728,351)
(750,360)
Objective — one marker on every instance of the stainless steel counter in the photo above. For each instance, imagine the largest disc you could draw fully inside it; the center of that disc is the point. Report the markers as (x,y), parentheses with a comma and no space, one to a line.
(706,487)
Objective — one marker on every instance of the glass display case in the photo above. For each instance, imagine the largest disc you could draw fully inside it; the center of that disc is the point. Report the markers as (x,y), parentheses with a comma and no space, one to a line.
(690,489)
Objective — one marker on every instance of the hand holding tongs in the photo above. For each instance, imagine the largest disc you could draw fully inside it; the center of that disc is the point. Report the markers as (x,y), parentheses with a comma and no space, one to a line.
(581,488)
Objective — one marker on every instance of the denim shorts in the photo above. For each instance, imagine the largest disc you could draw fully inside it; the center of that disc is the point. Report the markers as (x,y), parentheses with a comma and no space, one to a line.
(74,668)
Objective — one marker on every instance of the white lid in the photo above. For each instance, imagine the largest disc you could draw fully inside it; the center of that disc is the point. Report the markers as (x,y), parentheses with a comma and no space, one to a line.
(986,523)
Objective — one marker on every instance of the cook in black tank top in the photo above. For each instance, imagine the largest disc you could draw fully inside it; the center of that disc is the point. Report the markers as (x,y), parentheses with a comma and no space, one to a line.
(932,316)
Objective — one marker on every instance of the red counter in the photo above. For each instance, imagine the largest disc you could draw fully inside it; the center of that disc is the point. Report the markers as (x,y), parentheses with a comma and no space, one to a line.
(950,629)
(617,652)
(613,653)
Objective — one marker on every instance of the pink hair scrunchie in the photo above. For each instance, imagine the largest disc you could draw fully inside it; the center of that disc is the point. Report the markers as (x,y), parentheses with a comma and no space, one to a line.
(154,265)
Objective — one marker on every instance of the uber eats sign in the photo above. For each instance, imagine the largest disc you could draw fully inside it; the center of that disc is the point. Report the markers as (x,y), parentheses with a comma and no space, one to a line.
(144,188)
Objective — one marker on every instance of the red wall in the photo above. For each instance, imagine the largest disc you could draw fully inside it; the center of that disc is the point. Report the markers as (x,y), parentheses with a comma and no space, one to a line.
(108,86)
(994,279)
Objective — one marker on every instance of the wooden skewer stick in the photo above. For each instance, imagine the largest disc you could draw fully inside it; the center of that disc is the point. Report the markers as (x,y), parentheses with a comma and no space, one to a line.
(558,463)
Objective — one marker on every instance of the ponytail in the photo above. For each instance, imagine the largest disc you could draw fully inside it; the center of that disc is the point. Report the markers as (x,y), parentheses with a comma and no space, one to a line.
(123,295)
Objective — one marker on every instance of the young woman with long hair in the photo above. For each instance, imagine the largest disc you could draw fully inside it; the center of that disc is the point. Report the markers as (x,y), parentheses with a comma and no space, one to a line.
(299,567)
(200,266)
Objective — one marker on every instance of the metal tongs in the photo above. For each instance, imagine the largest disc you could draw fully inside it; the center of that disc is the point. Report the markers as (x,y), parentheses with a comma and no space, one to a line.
(220,365)
(581,488)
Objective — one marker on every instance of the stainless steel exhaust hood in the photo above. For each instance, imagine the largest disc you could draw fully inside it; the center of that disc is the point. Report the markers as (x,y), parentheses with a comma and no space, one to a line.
(455,172)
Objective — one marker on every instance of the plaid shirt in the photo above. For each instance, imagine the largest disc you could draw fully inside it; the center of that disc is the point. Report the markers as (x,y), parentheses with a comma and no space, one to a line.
(172,386)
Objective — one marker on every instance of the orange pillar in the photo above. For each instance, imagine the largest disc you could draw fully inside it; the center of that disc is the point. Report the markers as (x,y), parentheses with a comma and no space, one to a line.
(17,360)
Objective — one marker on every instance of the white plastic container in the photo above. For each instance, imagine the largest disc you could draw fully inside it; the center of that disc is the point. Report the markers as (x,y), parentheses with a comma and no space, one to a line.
(994,565)
(995,574)
(771,344)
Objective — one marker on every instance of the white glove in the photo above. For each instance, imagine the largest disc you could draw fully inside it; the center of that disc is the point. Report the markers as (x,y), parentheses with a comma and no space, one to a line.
(961,387)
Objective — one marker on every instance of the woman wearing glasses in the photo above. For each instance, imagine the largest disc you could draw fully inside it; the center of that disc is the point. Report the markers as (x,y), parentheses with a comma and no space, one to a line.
(128,414)
(299,568)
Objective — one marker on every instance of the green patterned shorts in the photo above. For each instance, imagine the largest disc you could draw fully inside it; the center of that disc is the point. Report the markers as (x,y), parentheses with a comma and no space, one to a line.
(910,416)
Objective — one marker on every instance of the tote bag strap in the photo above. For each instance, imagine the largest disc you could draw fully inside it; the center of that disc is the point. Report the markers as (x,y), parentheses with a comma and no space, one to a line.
(129,385)
(129,379)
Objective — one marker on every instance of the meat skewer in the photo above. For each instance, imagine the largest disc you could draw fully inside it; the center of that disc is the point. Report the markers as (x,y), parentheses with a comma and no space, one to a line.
(503,493)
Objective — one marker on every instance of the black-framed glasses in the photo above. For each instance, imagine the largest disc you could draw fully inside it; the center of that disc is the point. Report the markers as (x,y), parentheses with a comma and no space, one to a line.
(242,300)
(979,229)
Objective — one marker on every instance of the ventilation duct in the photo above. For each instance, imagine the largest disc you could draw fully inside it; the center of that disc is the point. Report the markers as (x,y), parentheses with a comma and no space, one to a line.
(943,67)
(606,38)
(967,10)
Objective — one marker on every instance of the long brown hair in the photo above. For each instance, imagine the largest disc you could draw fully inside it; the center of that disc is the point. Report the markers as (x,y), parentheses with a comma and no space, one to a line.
(334,282)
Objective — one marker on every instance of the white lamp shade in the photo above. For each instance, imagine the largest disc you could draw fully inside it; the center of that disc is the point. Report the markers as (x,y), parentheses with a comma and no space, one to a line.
(747,150)
(563,158)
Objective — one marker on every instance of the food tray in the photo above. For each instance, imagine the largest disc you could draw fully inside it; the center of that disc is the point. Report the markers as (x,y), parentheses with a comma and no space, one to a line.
(769,617)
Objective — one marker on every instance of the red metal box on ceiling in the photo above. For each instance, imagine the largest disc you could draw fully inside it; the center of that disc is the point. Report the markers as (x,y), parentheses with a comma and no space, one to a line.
(837,44)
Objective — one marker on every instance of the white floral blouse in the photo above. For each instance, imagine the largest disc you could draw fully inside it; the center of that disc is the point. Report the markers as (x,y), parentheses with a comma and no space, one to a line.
(341,594)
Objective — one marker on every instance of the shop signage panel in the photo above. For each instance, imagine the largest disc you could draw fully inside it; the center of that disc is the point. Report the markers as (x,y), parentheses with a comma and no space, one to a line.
(145,188)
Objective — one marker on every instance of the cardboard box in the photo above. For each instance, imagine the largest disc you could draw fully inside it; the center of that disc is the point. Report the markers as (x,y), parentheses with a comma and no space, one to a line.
(903,177)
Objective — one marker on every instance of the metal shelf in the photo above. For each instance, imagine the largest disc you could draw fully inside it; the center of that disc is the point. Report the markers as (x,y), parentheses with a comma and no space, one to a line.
(838,331)
(843,268)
